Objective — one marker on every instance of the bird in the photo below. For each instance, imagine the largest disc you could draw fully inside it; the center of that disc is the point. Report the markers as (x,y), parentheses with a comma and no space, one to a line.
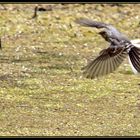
(109,59)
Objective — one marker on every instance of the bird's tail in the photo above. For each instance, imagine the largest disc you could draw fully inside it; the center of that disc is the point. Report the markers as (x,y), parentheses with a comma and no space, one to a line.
(134,59)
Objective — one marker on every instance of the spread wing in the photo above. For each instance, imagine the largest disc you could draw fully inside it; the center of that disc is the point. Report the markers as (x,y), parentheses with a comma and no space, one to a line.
(90,23)
(134,56)
(112,32)
(108,61)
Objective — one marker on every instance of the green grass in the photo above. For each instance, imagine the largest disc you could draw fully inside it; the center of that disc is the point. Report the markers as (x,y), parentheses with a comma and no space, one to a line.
(42,89)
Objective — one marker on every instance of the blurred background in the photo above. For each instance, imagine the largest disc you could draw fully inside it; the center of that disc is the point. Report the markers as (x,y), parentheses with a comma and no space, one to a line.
(42,89)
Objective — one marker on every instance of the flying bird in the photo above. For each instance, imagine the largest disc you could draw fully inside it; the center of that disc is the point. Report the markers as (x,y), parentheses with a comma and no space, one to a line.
(110,59)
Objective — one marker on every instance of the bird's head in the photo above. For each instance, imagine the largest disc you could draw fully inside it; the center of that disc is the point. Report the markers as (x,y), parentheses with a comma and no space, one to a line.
(104,35)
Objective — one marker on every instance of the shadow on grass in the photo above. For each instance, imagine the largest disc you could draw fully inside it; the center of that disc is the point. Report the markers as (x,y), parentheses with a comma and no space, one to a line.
(126,72)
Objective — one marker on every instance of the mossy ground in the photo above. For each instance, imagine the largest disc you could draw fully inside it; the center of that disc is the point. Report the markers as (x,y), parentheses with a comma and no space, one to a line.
(42,90)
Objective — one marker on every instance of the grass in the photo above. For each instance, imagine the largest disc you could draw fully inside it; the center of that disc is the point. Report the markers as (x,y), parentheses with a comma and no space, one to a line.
(42,89)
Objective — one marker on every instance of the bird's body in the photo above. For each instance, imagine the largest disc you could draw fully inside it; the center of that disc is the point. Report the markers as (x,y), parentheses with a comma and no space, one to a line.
(109,59)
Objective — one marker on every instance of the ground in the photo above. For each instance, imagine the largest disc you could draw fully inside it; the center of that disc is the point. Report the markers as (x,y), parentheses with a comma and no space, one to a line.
(42,89)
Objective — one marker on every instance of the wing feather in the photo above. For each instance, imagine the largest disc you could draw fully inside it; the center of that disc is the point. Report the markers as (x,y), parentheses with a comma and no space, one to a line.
(107,62)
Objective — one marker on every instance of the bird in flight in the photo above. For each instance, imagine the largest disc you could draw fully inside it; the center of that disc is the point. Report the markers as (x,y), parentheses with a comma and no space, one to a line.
(110,59)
